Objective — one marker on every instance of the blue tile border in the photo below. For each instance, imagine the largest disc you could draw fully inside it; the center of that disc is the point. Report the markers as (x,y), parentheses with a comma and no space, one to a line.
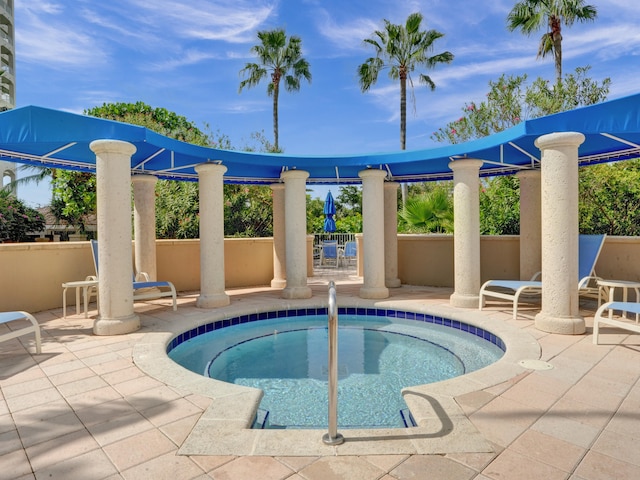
(374,312)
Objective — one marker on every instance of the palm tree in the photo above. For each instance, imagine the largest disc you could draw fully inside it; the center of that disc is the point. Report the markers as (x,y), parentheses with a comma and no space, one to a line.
(281,58)
(531,15)
(402,48)
(430,212)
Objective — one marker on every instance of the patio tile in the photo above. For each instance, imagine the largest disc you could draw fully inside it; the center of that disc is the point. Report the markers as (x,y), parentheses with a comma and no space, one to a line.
(138,449)
(112,366)
(150,398)
(50,428)
(596,466)
(475,461)
(137,385)
(339,468)
(70,362)
(211,462)
(179,430)
(513,465)
(118,428)
(385,463)
(14,465)
(582,412)
(534,391)
(34,399)
(26,387)
(60,448)
(620,446)
(71,376)
(503,420)
(9,442)
(564,428)
(297,463)
(41,413)
(90,465)
(104,412)
(166,467)
(93,397)
(171,411)
(124,375)
(547,449)
(267,468)
(14,371)
(431,466)
(78,387)
(109,356)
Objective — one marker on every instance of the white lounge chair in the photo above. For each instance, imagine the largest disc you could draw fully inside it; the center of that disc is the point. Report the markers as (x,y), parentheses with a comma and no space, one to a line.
(604,315)
(7,317)
(141,289)
(589,247)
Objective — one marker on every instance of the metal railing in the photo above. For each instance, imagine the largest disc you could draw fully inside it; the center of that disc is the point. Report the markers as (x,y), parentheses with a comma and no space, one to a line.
(333,437)
(341,238)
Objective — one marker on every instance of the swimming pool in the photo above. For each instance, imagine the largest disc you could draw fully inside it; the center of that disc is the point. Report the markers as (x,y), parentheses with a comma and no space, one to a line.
(380,352)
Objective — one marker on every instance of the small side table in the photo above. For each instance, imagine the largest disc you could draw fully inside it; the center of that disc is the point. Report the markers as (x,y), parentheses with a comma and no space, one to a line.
(607,290)
(89,288)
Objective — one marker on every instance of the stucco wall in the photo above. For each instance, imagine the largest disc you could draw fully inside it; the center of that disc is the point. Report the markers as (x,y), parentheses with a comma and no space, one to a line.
(31,274)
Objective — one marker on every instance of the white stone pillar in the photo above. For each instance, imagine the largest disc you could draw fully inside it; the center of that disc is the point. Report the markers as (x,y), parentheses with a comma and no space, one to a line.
(279,238)
(115,287)
(560,309)
(530,223)
(391,279)
(373,233)
(466,231)
(210,183)
(144,224)
(295,207)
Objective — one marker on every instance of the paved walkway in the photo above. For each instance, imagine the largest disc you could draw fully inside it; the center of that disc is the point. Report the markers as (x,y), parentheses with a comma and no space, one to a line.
(83,410)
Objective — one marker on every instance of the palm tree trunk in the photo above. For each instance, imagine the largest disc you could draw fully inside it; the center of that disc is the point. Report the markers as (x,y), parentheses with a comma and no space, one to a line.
(557,47)
(403,129)
(276,91)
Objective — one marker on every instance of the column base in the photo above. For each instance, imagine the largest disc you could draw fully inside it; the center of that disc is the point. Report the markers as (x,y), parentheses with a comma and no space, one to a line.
(116,326)
(293,293)
(374,292)
(464,301)
(278,283)
(392,282)
(561,325)
(213,300)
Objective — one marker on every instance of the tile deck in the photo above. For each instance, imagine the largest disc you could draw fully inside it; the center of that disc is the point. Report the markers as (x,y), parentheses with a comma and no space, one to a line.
(85,409)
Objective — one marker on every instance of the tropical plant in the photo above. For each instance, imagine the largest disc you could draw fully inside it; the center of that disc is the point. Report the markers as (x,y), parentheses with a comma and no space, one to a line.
(510,101)
(429,212)
(401,49)
(500,206)
(532,15)
(280,58)
(74,197)
(16,219)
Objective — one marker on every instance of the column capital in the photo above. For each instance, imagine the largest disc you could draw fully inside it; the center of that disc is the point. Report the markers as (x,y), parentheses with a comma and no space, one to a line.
(529,173)
(372,173)
(210,168)
(112,146)
(294,174)
(559,139)
(144,178)
(465,164)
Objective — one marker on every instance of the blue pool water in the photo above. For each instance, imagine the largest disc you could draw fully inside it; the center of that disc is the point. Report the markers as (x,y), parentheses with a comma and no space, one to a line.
(378,355)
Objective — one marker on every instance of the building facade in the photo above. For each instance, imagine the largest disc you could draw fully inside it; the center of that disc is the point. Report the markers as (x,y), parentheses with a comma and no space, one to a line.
(7,77)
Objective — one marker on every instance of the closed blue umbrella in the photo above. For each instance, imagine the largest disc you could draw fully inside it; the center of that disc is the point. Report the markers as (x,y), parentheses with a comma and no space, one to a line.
(329,211)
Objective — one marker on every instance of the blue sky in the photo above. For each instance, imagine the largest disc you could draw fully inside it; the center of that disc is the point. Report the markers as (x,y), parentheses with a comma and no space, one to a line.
(186,56)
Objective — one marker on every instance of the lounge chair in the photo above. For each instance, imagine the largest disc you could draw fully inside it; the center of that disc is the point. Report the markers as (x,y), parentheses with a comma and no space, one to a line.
(350,252)
(330,253)
(141,288)
(7,317)
(604,315)
(589,247)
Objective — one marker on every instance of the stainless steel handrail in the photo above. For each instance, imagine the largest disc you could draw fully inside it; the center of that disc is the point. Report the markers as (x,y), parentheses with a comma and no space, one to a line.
(333,437)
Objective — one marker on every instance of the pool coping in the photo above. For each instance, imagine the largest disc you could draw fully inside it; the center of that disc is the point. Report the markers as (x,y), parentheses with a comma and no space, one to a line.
(224,428)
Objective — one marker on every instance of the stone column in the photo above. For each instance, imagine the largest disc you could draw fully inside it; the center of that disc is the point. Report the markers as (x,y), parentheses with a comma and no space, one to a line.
(279,242)
(466,228)
(210,182)
(295,207)
(373,233)
(144,224)
(560,309)
(391,279)
(115,287)
(530,224)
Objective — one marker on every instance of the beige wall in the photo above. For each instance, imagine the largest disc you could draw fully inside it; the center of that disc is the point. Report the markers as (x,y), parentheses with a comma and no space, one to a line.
(31,274)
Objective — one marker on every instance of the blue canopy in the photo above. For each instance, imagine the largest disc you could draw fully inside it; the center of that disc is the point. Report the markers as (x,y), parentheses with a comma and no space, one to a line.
(57,139)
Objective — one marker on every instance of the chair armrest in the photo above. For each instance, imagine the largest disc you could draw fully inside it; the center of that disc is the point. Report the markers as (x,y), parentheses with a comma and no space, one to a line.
(142,277)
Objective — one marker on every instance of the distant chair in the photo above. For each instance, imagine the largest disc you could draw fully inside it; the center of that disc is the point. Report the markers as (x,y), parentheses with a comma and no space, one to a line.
(140,289)
(6,317)
(350,252)
(329,254)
